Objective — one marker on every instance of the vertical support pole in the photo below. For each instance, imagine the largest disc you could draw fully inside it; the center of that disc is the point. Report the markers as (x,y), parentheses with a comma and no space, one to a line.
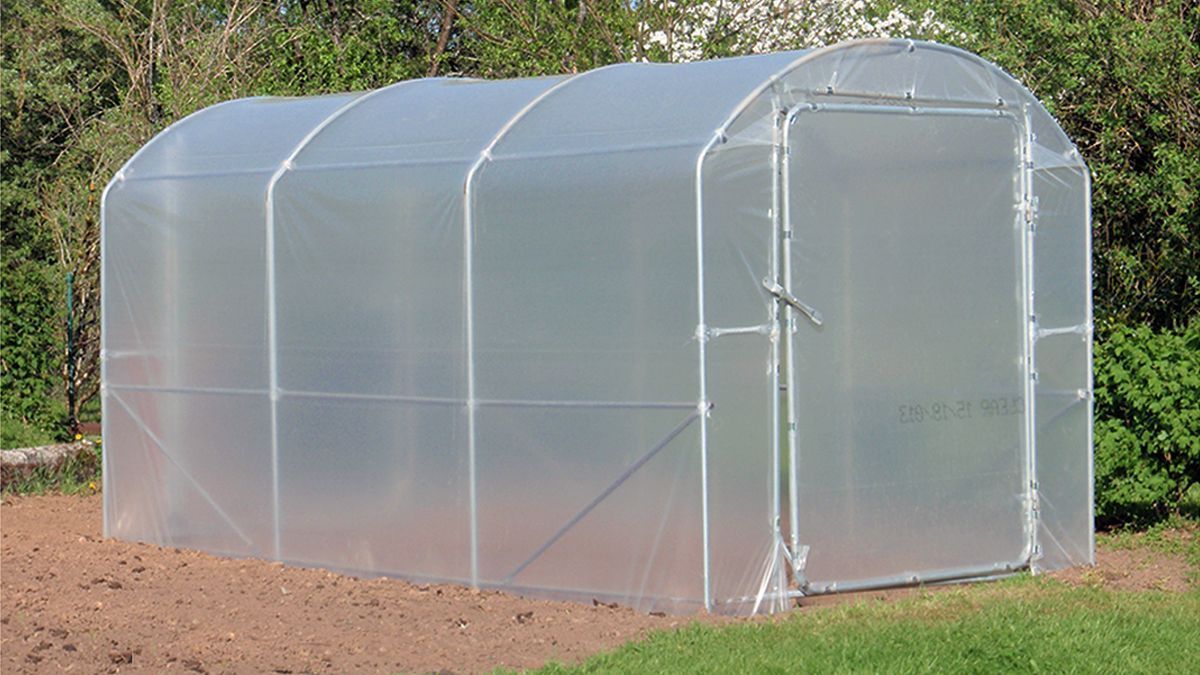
(1027,227)
(1091,386)
(780,116)
(273,362)
(702,405)
(789,326)
(105,471)
(469,329)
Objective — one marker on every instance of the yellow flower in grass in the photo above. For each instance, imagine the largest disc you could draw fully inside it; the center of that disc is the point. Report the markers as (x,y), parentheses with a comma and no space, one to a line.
(79,437)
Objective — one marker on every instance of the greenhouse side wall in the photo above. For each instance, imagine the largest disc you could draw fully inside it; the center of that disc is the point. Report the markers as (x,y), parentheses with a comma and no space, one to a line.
(371,293)
(587,260)
(506,396)
(1062,266)
(586,301)
(185,348)
(186,407)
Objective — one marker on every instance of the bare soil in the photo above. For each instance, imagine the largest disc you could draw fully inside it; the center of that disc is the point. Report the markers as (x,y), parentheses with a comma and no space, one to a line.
(71,600)
(1139,569)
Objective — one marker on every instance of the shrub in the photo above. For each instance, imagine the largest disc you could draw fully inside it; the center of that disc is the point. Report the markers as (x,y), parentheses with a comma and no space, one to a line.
(15,433)
(1148,424)
(29,342)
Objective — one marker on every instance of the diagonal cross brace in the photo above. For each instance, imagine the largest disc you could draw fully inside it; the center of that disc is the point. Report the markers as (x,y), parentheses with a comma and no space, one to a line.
(183,471)
(604,494)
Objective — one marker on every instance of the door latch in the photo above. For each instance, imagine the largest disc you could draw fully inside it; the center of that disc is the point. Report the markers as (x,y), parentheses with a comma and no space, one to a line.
(780,292)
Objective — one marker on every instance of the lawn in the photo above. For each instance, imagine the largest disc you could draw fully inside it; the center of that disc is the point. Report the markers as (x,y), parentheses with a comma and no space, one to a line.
(1023,624)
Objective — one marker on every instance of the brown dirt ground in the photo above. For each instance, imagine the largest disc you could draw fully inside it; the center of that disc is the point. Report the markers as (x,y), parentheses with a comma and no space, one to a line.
(70,600)
(1139,569)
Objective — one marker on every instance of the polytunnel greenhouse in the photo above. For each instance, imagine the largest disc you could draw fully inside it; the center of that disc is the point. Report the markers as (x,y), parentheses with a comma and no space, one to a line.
(711,336)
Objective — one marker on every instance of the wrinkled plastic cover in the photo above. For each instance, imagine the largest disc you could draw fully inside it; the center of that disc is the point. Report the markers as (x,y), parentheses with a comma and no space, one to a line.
(514,334)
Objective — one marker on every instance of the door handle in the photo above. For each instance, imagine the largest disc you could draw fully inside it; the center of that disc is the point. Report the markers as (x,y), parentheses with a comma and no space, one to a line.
(780,292)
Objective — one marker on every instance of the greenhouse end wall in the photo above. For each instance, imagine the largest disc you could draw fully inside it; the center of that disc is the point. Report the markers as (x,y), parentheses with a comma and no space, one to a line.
(560,337)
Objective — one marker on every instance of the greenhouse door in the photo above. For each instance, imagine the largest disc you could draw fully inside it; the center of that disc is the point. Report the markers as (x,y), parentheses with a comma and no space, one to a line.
(907,390)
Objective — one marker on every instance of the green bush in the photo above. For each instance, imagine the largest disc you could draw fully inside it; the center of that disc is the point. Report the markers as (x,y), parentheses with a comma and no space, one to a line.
(29,342)
(15,433)
(1147,424)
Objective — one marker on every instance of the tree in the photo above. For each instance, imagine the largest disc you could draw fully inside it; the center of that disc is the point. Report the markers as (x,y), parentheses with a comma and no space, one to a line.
(1121,79)
(329,46)
(54,84)
(690,30)
(520,38)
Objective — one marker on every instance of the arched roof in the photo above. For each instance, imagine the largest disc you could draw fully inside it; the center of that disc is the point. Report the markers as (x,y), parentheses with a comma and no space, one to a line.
(626,105)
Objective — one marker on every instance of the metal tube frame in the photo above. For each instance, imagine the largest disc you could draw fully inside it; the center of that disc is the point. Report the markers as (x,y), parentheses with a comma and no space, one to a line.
(105,470)
(1027,224)
(272,310)
(468,224)
(789,330)
(909,100)
(778,151)
(702,405)
(1091,403)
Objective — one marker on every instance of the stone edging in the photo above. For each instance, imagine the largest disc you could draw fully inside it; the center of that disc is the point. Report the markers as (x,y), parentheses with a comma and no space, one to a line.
(21,462)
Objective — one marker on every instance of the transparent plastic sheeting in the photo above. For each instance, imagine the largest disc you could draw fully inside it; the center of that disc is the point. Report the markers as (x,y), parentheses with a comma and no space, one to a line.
(520,335)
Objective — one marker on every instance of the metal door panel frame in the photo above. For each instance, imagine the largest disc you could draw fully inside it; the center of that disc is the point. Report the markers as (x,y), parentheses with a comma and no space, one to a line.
(785,317)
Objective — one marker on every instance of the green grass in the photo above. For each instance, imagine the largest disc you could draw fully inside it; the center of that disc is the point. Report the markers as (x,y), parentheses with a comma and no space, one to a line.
(15,433)
(1024,624)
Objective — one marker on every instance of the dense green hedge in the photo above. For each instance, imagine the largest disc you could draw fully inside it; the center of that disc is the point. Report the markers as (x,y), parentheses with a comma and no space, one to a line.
(1147,424)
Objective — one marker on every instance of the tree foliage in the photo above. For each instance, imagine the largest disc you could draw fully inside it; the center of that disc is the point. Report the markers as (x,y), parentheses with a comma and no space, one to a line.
(84,83)
(317,47)
(53,88)
(519,38)
(1121,77)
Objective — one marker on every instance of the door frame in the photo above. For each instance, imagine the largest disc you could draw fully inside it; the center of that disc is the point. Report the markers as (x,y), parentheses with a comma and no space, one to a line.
(787,309)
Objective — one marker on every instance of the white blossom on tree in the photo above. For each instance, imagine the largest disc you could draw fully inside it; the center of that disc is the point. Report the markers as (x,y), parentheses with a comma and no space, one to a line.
(690,30)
